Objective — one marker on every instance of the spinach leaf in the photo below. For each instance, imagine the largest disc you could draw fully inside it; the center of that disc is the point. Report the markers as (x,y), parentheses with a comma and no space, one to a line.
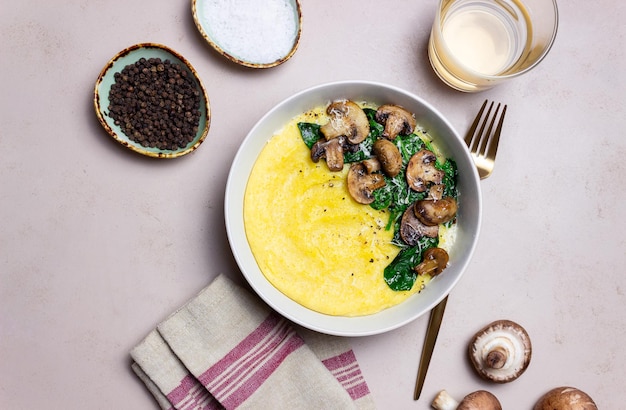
(376,129)
(364,150)
(399,274)
(449,180)
(397,197)
(408,145)
(310,133)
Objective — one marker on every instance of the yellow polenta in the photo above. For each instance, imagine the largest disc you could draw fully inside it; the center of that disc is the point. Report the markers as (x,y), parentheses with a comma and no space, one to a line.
(311,240)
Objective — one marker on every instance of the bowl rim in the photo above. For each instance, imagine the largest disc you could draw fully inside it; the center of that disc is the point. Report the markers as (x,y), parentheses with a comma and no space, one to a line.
(245,63)
(100,110)
(335,325)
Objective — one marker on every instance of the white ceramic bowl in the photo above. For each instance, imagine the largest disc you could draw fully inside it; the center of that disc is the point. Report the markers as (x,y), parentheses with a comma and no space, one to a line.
(468,218)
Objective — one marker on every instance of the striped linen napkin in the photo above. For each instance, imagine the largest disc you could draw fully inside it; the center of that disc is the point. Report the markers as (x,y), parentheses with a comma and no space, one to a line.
(225,349)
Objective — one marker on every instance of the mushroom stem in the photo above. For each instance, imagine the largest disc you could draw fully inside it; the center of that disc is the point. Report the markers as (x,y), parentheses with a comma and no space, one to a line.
(371,165)
(443,401)
(496,358)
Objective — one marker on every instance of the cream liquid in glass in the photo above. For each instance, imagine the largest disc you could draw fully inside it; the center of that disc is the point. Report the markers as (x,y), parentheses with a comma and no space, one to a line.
(477,39)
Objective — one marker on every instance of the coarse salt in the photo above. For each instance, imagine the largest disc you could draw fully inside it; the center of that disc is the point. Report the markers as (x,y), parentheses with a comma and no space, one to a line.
(256,31)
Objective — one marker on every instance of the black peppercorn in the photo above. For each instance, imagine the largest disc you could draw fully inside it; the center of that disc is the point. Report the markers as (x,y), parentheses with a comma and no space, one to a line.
(156,104)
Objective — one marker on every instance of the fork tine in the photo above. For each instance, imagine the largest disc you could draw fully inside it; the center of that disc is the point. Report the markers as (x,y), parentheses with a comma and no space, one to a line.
(495,137)
(470,137)
(483,143)
(483,137)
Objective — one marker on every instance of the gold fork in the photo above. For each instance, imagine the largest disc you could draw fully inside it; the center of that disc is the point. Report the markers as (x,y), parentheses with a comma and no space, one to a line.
(483,144)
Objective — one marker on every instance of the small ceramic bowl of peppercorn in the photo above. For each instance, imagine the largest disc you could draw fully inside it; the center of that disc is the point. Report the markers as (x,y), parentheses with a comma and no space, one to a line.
(150,99)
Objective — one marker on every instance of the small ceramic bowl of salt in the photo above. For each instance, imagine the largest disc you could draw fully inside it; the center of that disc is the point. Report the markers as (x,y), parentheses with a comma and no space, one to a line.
(252,33)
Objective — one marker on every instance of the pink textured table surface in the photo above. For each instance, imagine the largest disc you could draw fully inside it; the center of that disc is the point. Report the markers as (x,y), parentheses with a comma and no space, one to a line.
(98,244)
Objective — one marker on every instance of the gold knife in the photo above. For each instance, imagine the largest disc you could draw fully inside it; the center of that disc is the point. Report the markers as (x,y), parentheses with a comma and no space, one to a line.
(436,315)
(434,323)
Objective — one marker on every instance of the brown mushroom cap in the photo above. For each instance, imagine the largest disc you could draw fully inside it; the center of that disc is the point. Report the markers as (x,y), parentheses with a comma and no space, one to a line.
(565,398)
(421,170)
(478,400)
(396,119)
(389,156)
(346,119)
(434,261)
(362,184)
(435,212)
(411,229)
(501,351)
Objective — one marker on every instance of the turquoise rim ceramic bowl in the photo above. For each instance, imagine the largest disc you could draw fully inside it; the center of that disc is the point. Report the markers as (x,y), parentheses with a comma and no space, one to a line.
(128,56)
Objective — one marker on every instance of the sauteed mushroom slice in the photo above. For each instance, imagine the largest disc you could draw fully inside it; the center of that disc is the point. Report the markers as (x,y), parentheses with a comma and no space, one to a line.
(371,165)
(565,398)
(346,119)
(421,171)
(434,261)
(411,229)
(396,119)
(478,400)
(501,351)
(361,184)
(389,156)
(332,150)
(435,192)
(435,212)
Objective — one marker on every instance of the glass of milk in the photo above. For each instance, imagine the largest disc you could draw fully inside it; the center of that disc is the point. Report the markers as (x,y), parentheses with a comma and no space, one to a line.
(476,44)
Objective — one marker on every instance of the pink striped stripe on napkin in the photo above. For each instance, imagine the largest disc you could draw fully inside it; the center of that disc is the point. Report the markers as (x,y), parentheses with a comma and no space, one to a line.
(233,351)
(238,375)
(337,356)
(167,378)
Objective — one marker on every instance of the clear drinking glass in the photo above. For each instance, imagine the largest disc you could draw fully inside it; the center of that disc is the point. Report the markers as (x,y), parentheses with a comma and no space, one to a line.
(476,44)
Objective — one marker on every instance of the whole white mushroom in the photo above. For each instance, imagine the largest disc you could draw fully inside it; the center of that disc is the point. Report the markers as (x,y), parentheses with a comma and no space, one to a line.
(501,351)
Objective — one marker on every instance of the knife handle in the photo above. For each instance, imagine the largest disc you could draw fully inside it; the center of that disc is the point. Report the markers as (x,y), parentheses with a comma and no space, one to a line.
(434,323)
